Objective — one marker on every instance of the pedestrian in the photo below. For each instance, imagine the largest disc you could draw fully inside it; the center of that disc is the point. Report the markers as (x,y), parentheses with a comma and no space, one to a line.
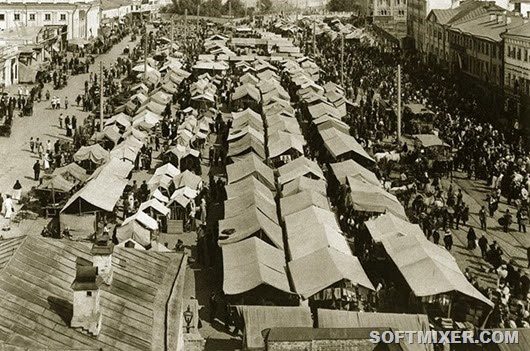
(471,239)
(528,256)
(48,146)
(483,244)
(58,103)
(506,220)
(74,123)
(32,145)
(47,95)
(40,148)
(436,236)
(17,191)
(448,239)
(482,217)
(78,100)
(522,219)
(66,102)
(46,161)
(36,170)
(8,207)
(61,117)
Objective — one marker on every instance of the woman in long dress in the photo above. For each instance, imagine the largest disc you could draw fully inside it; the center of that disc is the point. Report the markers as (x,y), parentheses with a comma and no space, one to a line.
(46,161)
(17,191)
(8,207)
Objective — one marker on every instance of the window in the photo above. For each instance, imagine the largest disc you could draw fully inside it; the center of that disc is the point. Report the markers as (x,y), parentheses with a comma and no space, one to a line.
(89,293)
(17,16)
(2,17)
(32,17)
(47,16)
(518,54)
(63,16)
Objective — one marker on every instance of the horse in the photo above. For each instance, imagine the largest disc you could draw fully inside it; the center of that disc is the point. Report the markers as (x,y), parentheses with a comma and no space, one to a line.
(392,156)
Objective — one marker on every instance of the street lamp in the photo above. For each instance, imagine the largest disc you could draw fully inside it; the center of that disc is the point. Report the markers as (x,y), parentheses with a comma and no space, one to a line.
(188,317)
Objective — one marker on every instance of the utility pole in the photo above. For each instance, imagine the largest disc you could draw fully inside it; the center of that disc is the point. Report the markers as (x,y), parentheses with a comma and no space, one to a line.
(186,24)
(172,35)
(145,52)
(342,60)
(246,11)
(314,38)
(198,12)
(229,8)
(399,103)
(100,96)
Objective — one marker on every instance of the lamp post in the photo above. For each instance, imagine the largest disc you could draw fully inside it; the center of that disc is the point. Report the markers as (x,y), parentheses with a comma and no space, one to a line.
(188,317)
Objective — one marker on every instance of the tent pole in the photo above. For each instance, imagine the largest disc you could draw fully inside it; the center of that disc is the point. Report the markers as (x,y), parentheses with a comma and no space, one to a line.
(399,103)
(101,96)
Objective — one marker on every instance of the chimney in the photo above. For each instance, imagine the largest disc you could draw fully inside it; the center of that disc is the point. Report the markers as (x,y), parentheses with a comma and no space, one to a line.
(86,312)
(102,257)
(508,20)
(493,17)
(499,18)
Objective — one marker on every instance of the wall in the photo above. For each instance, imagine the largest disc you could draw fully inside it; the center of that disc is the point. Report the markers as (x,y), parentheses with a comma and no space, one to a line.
(515,68)
(38,15)
(317,345)
(8,65)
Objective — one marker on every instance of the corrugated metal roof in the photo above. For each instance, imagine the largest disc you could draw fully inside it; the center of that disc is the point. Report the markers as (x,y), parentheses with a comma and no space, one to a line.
(36,303)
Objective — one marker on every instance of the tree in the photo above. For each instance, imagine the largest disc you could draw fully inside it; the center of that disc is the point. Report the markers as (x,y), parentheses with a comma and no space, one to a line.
(264,6)
(342,6)
(238,9)
(180,6)
(212,8)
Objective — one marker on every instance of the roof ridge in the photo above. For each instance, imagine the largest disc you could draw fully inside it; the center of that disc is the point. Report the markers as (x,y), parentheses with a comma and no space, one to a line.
(22,240)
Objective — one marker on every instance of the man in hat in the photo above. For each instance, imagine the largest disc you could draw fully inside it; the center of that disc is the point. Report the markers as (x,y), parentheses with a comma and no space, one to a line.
(506,220)
(448,239)
(483,244)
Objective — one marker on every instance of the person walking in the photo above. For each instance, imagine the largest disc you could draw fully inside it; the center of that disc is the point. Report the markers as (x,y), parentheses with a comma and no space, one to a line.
(32,145)
(522,219)
(506,220)
(61,118)
(471,239)
(36,170)
(436,236)
(17,191)
(66,102)
(483,244)
(448,240)
(482,216)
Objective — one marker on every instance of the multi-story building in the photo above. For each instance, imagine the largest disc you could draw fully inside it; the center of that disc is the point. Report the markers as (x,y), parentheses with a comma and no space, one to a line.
(417,11)
(517,59)
(517,71)
(80,18)
(436,33)
(8,65)
(476,46)
(389,9)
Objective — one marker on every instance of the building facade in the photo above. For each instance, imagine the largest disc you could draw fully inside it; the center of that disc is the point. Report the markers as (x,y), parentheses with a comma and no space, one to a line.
(477,49)
(8,65)
(417,11)
(390,9)
(517,60)
(80,17)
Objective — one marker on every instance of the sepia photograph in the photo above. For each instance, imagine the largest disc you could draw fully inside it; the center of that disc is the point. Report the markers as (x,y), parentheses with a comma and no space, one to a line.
(275,175)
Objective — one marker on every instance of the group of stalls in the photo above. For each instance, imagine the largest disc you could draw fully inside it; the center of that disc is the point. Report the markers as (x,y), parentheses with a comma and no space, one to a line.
(263,264)
(361,198)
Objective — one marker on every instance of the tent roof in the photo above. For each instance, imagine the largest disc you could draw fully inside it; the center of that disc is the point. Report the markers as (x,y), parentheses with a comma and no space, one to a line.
(320,269)
(365,196)
(429,269)
(167,169)
(144,219)
(95,153)
(121,119)
(248,143)
(428,140)
(156,205)
(187,178)
(72,170)
(258,318)
(56,183)
(395,321)
(339,143)
(310,216)
(299,167)
(304,242)
(304,183)
(302,200)
(135,231)
(250,263)
(251,165)
(249,184)
(350,168)
(281,142)
(246,90)
(246,224)
(388,225)
(233,207)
